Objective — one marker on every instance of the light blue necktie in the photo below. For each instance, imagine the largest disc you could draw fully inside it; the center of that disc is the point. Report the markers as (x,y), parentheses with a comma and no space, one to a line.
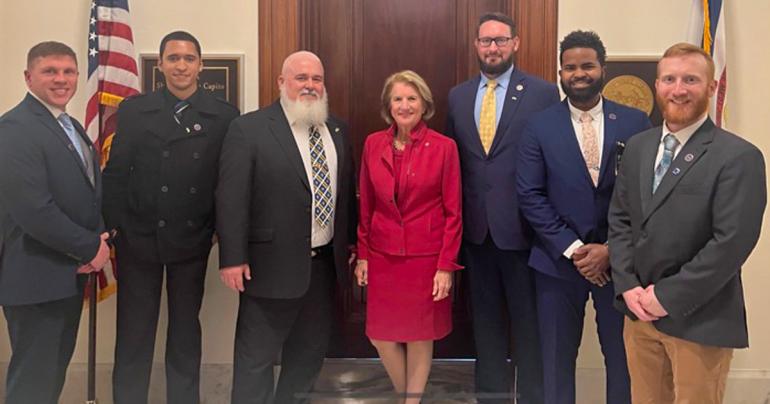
(322,187)
(69,129)
(670,142)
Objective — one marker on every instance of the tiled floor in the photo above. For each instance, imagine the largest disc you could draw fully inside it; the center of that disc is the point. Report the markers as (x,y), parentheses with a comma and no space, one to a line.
(365,381)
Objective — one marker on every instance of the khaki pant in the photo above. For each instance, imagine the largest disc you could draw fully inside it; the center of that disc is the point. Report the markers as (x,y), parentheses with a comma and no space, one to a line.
(666,369)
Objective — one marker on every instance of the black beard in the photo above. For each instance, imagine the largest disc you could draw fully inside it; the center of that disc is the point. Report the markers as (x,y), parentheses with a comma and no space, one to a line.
(496,70)
(583,94)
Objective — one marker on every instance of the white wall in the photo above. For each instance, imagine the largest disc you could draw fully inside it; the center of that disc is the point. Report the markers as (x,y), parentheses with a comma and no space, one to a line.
(230,26)
(647,28)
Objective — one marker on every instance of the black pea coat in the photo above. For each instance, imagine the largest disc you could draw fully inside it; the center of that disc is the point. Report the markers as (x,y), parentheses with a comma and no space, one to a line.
(160,178)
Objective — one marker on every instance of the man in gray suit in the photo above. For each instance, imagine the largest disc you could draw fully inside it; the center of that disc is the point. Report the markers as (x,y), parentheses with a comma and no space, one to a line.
(50,225)
(685,215)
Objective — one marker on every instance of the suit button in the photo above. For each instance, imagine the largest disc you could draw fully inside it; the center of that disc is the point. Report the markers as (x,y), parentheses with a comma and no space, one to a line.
(161,223)
(196,156)
(164,189)
(166,153)
(307,210)
(193,190)
(190,223)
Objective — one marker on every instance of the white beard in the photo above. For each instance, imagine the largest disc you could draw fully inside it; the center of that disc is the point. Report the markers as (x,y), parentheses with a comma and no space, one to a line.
(310,113)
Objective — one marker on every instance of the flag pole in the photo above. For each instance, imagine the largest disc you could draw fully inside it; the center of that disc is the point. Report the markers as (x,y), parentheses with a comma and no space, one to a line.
(91,394)
(93,289)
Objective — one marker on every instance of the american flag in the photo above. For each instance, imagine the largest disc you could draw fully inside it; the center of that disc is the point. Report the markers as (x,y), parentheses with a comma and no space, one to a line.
(707,30)
(112,76)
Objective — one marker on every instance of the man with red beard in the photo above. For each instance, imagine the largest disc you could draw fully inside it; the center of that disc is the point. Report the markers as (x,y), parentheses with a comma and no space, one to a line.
(286,219)
(685,215)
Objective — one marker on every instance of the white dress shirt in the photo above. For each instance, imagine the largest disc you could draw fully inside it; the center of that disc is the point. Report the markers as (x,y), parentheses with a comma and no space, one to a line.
(597,113)
(319,236)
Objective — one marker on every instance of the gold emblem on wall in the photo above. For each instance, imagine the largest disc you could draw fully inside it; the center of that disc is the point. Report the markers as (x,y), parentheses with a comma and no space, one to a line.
(631,91)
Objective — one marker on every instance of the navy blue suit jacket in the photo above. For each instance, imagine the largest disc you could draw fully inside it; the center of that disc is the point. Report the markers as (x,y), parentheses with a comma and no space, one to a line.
(555,190)
(50,217)
(490,204)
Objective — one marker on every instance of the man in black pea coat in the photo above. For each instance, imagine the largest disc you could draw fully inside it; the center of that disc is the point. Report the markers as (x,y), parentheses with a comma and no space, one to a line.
(159,195)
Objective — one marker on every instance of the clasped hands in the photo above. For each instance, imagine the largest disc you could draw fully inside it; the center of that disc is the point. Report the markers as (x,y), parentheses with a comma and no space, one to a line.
(644,304)
(101,258)
(442,281)
(593,263)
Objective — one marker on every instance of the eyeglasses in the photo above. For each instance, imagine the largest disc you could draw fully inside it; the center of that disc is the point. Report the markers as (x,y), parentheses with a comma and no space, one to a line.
(499,41)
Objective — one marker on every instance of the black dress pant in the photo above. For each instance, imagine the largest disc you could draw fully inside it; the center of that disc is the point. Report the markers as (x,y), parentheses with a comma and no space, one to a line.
(299,328)
(139,292)
(42,339)
(502,293)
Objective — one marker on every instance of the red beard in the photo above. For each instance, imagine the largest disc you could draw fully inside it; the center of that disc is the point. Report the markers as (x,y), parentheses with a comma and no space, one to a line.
(682,114)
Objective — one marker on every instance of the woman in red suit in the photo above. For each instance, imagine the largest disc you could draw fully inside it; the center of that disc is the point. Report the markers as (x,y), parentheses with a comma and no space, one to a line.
(409,233)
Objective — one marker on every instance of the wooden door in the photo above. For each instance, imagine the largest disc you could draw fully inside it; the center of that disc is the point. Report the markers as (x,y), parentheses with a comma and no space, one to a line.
(361,42)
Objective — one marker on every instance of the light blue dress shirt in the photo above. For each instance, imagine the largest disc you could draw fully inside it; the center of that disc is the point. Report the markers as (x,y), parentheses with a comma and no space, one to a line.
(502,87)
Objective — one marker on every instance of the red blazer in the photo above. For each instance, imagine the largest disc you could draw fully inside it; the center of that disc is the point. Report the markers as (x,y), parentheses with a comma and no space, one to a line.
(430,219)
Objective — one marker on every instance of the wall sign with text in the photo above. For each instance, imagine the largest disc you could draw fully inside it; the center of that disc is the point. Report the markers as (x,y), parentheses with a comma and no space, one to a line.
(221,75)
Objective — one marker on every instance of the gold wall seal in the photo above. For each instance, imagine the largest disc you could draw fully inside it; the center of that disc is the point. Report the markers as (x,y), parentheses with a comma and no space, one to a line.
(630,91)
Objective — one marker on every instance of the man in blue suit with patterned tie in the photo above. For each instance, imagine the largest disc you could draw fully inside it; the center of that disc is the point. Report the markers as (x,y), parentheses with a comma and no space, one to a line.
(568,157)
(486,116)
(51,230)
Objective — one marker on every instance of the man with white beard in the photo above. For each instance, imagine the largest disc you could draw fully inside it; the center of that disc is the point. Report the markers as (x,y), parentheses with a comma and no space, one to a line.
(286,218)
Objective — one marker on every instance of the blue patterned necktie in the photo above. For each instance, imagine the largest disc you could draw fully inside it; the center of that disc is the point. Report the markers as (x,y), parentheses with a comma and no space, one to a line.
(72,134)
(179,108)
(322,187)
(670,142)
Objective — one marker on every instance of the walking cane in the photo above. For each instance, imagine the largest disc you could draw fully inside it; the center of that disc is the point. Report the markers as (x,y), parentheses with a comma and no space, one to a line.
(91,395)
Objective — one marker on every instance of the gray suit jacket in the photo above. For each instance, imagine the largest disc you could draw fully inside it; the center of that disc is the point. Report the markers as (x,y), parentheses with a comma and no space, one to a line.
(50,217)
(693,235)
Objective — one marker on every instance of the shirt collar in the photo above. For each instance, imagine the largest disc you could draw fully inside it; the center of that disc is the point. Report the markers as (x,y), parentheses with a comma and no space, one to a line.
(685,133)
(595,112)
(415,135)
(502,80)
(53,110)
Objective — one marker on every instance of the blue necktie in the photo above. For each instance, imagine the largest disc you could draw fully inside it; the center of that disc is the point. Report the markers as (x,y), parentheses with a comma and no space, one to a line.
(322,187)
(69,129)
(670,142)
(179,109)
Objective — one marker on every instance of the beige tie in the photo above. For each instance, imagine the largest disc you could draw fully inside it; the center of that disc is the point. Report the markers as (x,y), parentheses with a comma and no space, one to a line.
(487,116)
(590,146)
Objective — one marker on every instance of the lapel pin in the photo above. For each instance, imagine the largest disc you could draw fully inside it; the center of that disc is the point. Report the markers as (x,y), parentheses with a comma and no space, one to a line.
(197,127)
(688,158)
(613,116)
(519,87)
(71,147)
(676,171)
(336,130)
(514,98)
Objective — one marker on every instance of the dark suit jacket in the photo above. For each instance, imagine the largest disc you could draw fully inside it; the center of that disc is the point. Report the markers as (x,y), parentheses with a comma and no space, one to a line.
(49,211)
(490,204)
(693,235)
(426,219)
(555,189)
(159,181)
(263,204)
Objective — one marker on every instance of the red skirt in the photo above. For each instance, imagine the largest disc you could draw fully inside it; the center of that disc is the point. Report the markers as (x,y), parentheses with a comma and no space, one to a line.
(399,305)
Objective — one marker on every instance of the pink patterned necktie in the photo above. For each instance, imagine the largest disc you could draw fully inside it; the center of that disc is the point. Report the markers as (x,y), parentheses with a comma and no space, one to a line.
(590,146)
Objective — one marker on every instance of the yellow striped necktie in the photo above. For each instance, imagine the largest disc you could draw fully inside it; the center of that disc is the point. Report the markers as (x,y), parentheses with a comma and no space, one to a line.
(487,126)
